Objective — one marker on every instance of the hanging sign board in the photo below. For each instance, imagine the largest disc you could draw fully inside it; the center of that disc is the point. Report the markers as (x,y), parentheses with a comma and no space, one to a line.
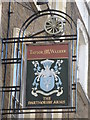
(47,79)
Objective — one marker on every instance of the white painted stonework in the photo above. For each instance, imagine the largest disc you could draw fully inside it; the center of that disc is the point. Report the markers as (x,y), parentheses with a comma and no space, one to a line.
(84,14)
(82,56)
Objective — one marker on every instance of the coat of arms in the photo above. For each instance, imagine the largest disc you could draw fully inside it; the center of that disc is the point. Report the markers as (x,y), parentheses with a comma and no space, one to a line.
(47,80)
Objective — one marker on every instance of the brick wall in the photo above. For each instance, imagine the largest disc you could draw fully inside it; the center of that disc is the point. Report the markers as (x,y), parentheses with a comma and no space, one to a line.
(17,17)
(82,100)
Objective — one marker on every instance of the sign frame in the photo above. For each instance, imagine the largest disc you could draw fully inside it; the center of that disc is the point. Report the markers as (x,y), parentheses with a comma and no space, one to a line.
(69,79)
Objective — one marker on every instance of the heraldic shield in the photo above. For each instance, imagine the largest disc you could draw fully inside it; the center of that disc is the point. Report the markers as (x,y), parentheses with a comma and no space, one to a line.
(47,81)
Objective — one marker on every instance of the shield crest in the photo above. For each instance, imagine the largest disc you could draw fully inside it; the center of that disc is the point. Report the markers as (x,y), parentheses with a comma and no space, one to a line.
(47,79)
(47,82)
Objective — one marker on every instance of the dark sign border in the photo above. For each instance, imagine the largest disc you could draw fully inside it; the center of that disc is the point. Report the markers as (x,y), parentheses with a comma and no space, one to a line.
(69,78)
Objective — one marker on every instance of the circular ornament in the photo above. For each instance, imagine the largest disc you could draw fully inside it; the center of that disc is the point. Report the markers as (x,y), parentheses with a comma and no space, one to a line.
(54,25)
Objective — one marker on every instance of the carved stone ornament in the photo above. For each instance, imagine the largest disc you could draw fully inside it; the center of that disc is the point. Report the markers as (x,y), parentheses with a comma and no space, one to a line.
(54,25)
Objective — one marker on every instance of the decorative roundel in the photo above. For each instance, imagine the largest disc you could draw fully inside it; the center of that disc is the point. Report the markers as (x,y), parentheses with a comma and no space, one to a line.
(54,25)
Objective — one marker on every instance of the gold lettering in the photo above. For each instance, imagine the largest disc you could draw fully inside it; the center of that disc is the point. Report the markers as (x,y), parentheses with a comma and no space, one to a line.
(35,52)
(30,102)
(46,51)
(59,102)
(57,51)
(39,102)
(46,98)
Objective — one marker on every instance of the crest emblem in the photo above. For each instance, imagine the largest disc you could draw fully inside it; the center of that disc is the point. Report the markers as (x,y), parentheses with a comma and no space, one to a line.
(47,77)
(47,80)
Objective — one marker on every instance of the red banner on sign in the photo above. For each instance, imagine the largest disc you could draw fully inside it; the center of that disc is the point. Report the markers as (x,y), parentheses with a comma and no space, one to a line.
(47,51)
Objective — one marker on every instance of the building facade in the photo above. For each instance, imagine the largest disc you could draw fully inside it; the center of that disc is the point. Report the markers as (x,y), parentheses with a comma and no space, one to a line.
(12,17)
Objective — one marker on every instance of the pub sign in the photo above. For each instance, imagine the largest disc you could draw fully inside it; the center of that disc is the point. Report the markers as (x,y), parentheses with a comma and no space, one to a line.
(47,78)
